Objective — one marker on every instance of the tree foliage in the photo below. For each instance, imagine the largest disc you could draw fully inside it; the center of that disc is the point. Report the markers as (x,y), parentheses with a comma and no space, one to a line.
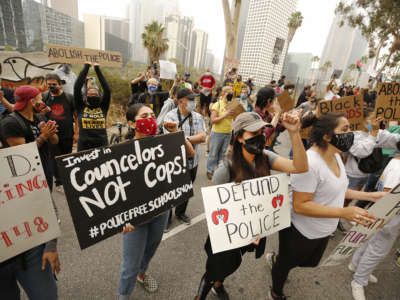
(379,22)
(295,21)
(154,41)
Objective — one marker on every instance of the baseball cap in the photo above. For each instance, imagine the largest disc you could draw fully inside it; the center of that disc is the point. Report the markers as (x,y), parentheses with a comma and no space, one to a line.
(249,121)
(187,74)
(23,94)
(186,93)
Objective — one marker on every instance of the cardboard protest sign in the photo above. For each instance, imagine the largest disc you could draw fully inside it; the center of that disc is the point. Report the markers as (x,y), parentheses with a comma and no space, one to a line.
(236,106)
(388,101)
(27,216)
(131,182)
(285,101)
(167,70)
(352,106)
(75,55)
(384,210)
(239,213)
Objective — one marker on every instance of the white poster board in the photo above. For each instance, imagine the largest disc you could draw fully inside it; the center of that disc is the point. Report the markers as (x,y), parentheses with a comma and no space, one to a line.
(167,70)
(27,216)
(239,213)
(384,210)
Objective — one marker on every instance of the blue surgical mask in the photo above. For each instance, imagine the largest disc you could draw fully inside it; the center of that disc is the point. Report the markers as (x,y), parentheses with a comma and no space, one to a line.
(369,127)
(191,106)
(153,88)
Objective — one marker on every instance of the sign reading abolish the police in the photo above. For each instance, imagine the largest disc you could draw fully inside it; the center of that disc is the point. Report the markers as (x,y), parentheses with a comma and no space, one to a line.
(131,182)
(239,213)
(351,106)
(388,101)
(27,216)
(74,55)
(384,210)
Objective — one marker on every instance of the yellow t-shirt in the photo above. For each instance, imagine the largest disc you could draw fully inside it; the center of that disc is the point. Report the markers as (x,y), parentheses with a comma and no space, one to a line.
(237,88)
(225,126)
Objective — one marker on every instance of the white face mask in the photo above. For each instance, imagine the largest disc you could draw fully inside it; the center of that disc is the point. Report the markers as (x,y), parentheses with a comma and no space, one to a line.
(191,106)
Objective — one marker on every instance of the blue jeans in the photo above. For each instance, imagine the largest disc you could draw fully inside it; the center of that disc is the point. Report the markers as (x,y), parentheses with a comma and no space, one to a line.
(355,182)
(138,248)
(219,143)
(27,270)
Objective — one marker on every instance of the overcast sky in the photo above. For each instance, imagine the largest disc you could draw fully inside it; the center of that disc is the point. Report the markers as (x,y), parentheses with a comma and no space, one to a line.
(208,16)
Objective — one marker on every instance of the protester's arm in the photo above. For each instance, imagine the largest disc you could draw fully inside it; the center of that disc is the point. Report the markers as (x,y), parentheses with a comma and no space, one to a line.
(363,146)
(299,164)
(367,196)
(105,103)
(198,138)
(388,140)
(76,130)
(7,105)
(138,79)
(80,81)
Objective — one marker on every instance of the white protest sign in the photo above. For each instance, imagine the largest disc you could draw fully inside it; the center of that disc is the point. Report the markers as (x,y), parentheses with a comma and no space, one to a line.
(239,213)
(167,70)
(27,217)
(384,211)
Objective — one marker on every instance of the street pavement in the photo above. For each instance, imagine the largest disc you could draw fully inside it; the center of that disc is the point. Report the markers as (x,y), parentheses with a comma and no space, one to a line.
(180,262)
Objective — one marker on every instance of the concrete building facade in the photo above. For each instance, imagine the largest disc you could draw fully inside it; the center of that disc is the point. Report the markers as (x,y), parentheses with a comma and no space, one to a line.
(265,39)
(198,51)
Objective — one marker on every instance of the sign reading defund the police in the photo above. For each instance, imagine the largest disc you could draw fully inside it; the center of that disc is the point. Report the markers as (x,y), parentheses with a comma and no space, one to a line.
(384,210)
(239,213)
(27,216)
(131,182)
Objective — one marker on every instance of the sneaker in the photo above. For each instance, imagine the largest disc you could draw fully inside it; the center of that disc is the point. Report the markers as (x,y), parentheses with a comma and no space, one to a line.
(272,297)
(270,257)
(149,283)
(184,219)
(167,229)
(357,291)
(371,279)
(220,292)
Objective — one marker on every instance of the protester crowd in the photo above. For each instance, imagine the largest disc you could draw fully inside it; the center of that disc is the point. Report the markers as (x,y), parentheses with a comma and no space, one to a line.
(240,128)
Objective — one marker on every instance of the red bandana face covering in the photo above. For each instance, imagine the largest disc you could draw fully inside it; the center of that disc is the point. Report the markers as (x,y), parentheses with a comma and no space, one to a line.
(146,126)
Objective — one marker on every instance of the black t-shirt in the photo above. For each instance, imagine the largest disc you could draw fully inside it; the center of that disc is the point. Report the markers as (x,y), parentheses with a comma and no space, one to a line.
(12,128)
(62,111)
(9,95)
(139,87)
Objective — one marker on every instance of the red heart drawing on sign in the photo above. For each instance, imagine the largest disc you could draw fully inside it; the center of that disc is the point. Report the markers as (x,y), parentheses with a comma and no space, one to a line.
(275,199)
(220,214)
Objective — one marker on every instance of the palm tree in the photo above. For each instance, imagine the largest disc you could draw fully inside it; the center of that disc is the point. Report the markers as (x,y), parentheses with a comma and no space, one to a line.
(154,41)
(351,68)
(295,21)
(325,67)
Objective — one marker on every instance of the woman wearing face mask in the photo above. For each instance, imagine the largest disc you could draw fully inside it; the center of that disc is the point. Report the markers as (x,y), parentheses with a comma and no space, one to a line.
(92,109)
(248,160)
(221,120)
(140,243)
(317,200)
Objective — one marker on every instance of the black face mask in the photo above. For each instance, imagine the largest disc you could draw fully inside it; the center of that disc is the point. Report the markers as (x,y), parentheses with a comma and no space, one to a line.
(256,144)
(229,97)
(54,90)
(93,100)
(343,141)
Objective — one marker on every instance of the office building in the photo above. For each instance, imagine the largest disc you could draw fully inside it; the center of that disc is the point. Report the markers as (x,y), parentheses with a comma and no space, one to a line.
(117,26)
(265,39)
(343,47)
(67,7)
(179,33)
(28,25)
(210,60)
(298,67)
(244,11)
(198,49)
(94,31)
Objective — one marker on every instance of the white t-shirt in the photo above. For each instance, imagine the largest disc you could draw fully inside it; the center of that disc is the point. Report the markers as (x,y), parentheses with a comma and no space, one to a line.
(328,190)
(391,175)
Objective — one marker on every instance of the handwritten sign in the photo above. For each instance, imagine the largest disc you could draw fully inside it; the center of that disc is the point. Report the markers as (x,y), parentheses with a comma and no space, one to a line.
(351,106)
(74,55)
(239,213)
(27,217)
(384,210)
(285,101)
(131,182)
(388,101)
(167,70)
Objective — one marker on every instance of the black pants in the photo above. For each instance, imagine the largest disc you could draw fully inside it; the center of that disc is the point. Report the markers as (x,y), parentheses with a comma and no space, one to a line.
(181,208)
(63,147)
(295,250)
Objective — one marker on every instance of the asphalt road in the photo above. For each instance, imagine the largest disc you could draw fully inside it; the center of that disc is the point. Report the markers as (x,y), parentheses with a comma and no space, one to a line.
(180,262)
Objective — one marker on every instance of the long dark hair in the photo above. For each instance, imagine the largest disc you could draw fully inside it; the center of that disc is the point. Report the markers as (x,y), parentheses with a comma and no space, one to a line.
(241,169)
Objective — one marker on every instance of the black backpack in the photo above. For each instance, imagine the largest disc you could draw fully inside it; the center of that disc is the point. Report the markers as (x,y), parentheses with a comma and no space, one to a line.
(371,163)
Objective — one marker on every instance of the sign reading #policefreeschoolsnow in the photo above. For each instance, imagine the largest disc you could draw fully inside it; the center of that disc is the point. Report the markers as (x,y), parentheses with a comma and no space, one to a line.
(131,182)
(27,216)
(239,213)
